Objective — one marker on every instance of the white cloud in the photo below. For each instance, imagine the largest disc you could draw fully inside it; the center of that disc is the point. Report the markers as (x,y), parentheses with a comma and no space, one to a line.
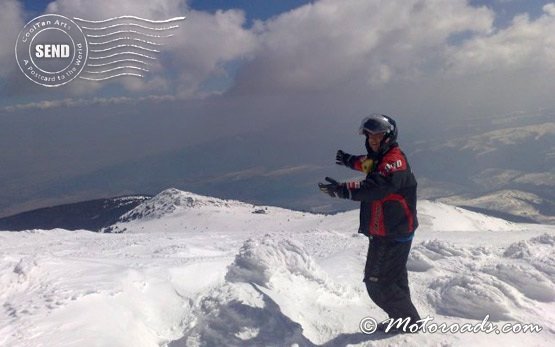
(199,49)
(73,102)
(103,9)
(439,58)
(328,42)
(360,52)
(11,22)
(525,44)
(549,9)
(205,44)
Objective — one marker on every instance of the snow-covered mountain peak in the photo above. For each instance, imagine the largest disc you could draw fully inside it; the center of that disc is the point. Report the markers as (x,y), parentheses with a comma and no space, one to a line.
(171,200)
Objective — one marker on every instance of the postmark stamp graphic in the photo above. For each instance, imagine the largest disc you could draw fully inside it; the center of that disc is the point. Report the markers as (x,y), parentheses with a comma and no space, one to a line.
(51,50)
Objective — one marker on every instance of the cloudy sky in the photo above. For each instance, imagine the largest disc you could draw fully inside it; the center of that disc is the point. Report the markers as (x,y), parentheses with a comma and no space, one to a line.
(260,88)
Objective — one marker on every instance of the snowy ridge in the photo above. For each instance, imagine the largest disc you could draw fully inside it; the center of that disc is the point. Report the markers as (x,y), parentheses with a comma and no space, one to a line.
(492,140)
(515,202)
(438,216)
(174,210)
(171,199)
(126,200)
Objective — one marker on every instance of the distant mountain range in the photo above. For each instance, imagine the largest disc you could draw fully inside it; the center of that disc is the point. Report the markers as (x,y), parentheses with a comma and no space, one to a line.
(88,215)
(502,166)
(508,171)
(116,215)
(513,205)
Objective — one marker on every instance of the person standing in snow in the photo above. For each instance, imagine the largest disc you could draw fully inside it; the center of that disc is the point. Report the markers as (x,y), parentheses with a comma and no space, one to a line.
(387,213)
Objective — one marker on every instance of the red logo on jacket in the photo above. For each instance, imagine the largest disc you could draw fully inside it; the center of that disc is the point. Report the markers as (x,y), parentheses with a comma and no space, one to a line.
(393,161)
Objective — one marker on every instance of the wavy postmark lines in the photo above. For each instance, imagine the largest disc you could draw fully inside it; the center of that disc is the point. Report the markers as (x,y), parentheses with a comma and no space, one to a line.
(124,46)
(52,50)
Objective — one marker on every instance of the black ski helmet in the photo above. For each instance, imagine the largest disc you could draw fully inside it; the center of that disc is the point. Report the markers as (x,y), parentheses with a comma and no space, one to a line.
(379,123)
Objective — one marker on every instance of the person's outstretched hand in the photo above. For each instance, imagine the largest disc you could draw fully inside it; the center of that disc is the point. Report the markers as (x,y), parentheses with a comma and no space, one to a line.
(334,188)
(342,158)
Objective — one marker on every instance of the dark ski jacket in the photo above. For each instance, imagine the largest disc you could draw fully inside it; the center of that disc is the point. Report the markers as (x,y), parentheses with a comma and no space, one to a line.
(387,196)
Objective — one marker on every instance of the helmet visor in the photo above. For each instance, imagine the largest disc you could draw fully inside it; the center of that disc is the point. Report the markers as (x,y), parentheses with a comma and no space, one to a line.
(375,124)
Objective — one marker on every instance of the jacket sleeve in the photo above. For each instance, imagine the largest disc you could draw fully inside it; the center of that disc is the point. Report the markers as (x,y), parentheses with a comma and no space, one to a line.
(376,186)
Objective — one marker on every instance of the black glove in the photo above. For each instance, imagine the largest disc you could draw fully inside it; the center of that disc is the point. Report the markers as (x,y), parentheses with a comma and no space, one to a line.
(342,158)
(334,189)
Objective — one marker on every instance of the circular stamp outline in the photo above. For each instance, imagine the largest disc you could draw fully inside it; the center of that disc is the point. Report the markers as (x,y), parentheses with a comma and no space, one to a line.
(30,39)
(65,67)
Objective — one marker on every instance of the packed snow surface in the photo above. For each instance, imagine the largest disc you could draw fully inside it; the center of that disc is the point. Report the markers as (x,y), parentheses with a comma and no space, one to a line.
(187,270)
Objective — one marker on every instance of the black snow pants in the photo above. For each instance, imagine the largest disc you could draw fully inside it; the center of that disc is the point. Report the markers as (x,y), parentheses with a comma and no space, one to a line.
(386,278)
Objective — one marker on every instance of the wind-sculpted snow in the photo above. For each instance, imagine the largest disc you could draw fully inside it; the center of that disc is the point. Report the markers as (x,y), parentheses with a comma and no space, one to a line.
(461,289)
(419,262)
(258,260)
(471,296)
(271,293)
(518,250)
(545,239)
(538,251)
(436,249)
(483,282)
(18,277)
(531,282)
(239,314)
